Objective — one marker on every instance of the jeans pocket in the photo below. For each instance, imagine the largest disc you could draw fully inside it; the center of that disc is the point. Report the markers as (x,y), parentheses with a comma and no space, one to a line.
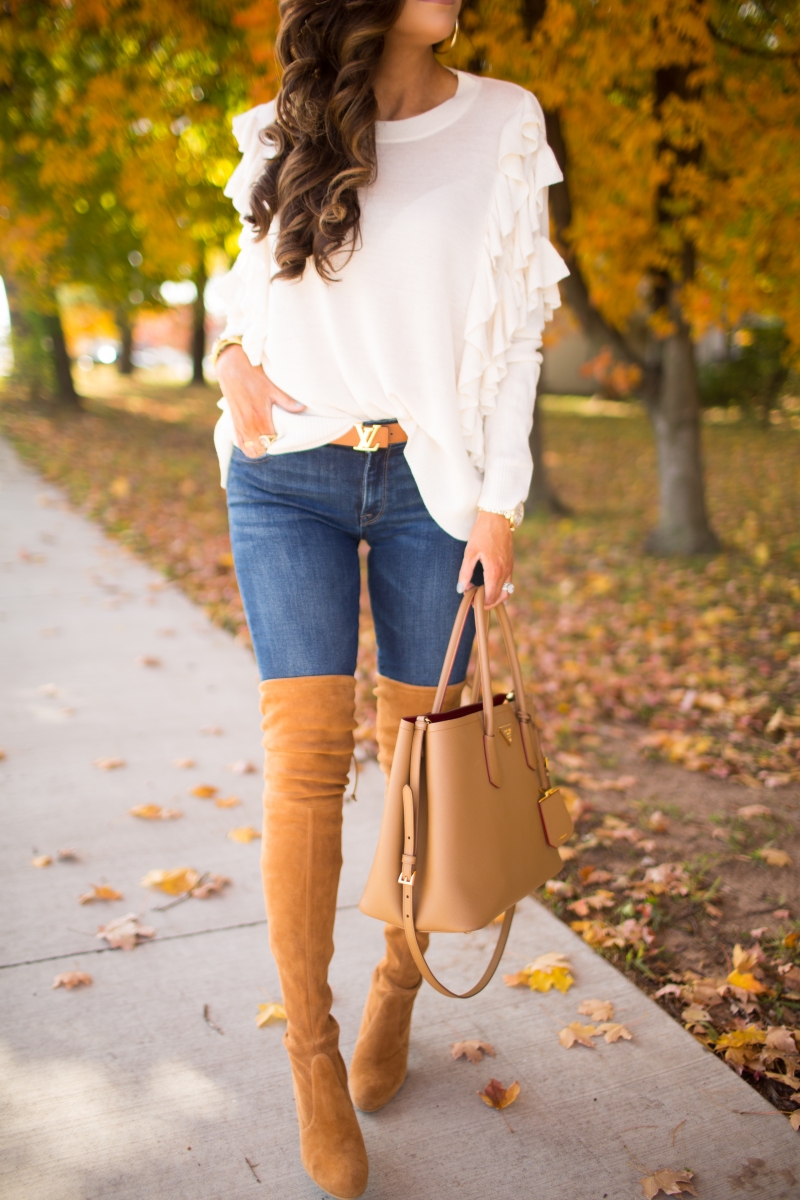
(240,456)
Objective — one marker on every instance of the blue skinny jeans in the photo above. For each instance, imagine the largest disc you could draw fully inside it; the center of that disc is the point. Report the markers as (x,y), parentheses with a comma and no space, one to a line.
(296,521)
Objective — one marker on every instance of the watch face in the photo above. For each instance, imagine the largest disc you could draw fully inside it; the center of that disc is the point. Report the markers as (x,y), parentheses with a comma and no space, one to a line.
(517,515)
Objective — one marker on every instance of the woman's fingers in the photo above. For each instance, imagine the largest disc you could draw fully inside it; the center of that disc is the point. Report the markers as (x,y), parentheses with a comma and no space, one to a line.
(490,544)
(287,402)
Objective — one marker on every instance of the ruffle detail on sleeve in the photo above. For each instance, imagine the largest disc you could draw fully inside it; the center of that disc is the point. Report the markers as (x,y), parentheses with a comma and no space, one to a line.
(518,268)
(244,291)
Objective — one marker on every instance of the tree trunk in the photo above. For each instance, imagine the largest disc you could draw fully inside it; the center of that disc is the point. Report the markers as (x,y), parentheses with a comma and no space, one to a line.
(199,326)
(65,388)
(674,407)
(125,362)
(542,496)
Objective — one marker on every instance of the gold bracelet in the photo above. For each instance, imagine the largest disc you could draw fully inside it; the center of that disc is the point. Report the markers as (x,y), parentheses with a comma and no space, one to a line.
(221,344)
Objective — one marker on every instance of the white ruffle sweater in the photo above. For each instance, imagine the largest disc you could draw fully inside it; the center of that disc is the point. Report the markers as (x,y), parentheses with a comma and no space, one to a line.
(437,317)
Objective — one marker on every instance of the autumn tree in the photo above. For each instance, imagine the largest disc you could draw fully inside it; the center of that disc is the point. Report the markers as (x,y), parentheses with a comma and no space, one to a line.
(676,125)
(114,148)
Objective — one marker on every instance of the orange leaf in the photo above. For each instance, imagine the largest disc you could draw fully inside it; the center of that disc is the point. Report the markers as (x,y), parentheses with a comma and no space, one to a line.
(43,860)
(575,1032)
(154,812)
(613,1032)
(671,1183)
(72,979)
(227,801)
(204,791)
(108,764)
(496,1096)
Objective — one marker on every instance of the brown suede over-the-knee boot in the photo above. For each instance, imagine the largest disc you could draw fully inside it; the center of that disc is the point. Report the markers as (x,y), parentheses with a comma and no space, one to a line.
(308,737)
(380,1058)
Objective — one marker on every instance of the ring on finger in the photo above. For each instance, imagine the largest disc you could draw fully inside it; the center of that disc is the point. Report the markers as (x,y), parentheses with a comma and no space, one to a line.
(266,439)
(508,587)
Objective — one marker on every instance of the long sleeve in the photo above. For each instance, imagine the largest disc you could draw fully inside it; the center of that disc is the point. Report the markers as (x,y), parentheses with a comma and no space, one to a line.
(506,430)
(245,289)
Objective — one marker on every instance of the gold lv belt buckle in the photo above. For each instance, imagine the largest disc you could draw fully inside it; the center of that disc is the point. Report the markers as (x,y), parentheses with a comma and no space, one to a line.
(367,435)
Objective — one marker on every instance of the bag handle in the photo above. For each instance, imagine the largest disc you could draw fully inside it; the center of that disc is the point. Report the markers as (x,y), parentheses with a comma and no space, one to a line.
(411,793)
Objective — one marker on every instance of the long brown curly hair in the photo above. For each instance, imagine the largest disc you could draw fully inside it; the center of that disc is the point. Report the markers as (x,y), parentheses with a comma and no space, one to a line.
(324,134)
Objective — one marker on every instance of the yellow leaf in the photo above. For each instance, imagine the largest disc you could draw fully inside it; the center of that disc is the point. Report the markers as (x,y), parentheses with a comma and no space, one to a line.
(99,893)
(204,791)
(43,860)
(174,882)
(267,1013)
(747,981)
(736,1038)
(72,979)
(496,1096)
(775,858)
(245,833)
(227,801)
(575,1032)
(154,812)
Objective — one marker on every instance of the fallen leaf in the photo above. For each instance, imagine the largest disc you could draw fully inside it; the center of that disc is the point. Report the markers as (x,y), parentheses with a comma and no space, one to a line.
(669,989)
(245,833)
(99,893)
(598,1010)
(72,979)
(734,1039)
(567,853)
(174,882)
(212,730)
(612,1032)
(671,1183)
(548,971)
(575,1032)
(747,982)
(267,1013)
(590,875)
(184,763)
(125,932)
(204,791)
(794,1119)
(242,767)
(149,660)
(68,855)
(496,1096)
(658,822)
(211,886)
(780,1038)
(751,811)
(746,960)
(108,764)
(474,1051)
(227,801)
(775,858)
(42,860)
(693,1014)
(781,914)
(154,812)
(3,756)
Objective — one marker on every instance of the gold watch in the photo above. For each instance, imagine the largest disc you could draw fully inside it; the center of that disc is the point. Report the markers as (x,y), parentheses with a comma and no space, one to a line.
(514,516)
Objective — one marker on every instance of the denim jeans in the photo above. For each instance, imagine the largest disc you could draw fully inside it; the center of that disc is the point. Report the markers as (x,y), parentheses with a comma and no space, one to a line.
(296,521)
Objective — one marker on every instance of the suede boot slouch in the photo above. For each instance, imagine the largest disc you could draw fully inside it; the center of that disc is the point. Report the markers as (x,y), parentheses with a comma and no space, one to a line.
(308,737)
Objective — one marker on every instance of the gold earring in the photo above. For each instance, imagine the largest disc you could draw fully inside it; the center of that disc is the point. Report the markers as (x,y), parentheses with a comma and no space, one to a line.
(441,48)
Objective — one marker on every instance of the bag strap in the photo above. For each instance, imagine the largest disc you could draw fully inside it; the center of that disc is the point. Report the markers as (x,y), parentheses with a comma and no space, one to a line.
(411,793)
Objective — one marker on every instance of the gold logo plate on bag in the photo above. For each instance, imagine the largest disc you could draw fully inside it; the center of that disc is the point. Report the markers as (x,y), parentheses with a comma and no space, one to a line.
(367,434)
(505,730)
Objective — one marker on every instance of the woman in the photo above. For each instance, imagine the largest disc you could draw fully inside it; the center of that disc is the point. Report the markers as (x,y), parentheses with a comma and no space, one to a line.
(379,367)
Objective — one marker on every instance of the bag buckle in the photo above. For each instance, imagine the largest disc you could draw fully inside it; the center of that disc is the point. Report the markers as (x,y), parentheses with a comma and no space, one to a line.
(367,435)
(407,882)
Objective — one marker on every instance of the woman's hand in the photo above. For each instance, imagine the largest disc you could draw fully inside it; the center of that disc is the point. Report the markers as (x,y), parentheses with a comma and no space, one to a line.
(250,395)
(491,543)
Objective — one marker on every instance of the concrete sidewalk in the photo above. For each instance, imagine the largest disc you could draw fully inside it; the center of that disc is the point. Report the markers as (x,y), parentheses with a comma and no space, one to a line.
(125,1089)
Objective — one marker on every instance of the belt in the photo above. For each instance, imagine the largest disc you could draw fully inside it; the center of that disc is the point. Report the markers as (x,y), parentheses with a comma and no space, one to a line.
(372,435)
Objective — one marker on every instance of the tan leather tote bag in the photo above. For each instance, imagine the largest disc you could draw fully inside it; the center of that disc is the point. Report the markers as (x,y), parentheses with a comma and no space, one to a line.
(470,822)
